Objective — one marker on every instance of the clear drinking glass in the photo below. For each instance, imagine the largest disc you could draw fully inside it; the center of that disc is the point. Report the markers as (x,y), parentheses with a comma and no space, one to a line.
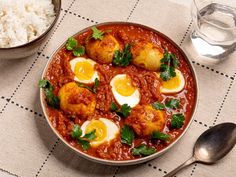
(214,27)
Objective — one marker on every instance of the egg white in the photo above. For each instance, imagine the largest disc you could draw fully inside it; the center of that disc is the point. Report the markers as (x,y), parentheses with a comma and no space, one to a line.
(131,100)
(112,131)
(179,87)
(81,59)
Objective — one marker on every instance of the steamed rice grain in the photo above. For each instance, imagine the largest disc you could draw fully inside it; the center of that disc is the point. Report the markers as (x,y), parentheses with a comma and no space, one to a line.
(21,21)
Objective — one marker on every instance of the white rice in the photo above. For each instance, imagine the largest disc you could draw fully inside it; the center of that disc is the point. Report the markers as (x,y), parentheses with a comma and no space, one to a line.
(22,21)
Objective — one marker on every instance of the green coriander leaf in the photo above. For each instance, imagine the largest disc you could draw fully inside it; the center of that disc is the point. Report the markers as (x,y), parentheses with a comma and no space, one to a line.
(143,150)
(175,60)
(166,57)
(124,110)
(138,150)
(76,132)
(43,83)
(79,51)
(170,57)
(117,57)
(91,135)
(71,43)
(177,121)
(122,58)
(157,105)
(127,54)
(172,71)
(167,72)
(168,64)
(160,136)
(97,34)
(163,67)
(165,75)
(85,86)
(96,85)
(127,135)
(93,89)
(51,99)
(113,107)
(172,104)
(84,143)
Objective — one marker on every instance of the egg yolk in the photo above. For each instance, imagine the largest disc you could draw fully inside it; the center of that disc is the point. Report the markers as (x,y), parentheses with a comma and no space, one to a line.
(124,86)
(172,83)
(100,127)
(84,70)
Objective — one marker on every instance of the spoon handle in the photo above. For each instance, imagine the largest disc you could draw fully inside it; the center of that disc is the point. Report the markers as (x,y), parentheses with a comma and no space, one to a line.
(186,163)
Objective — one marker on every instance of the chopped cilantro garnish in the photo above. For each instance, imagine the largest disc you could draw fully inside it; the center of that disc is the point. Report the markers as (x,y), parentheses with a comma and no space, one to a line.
(168,64)
(92,89)
(114,107)
(51,99)
(157,105)
(96,85)
(124,110)
(127,135)
(84,143)
(143,150)
(172,103)
(76,49)
(43,83)
(177,120)
(76,132)
(160,136)
(97,34)
(167,72)
(122,58)
(175,60)
(71,43)
(91,135)
(84,86)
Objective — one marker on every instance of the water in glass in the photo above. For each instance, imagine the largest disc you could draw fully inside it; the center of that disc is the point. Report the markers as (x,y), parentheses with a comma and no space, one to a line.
(214,31)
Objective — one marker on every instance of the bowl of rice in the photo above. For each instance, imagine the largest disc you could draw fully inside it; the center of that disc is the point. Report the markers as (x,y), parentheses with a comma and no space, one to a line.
(25,25)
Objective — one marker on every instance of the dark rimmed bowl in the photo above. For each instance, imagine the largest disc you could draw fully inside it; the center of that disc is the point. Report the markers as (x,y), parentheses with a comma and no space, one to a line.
(125,162)
(31,47)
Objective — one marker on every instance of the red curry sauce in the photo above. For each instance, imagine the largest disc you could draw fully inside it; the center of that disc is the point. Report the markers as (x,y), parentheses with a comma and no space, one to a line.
(59,73)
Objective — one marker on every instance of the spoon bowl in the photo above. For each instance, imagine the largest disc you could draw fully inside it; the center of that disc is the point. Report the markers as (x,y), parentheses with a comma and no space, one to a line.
(215,143)
(211,146)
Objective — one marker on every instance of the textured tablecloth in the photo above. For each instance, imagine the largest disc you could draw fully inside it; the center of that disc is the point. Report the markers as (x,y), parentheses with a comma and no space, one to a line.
(29,147)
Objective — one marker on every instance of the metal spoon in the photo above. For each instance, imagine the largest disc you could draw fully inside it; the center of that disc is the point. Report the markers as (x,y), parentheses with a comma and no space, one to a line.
(211,146)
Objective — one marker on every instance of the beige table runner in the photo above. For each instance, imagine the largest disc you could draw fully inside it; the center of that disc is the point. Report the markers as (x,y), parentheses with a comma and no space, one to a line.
(29,148)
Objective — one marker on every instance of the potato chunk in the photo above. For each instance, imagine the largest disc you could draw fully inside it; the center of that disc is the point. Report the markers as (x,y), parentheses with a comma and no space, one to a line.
(147,55)
(145,120)
(76,100)
(102,50)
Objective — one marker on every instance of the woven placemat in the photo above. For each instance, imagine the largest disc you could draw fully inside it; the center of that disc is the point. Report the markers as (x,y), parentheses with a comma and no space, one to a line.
(29,148)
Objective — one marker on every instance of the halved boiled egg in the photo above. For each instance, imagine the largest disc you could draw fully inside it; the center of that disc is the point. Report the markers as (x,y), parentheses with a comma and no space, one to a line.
(106,130)
(123,90)
(84,70)
(174,85)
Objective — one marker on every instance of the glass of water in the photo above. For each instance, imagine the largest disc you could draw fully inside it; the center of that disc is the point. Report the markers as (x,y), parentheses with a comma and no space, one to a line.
(214,27)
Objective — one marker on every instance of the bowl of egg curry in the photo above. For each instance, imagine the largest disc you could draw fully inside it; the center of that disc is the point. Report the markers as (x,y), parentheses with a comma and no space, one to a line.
(119,93)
